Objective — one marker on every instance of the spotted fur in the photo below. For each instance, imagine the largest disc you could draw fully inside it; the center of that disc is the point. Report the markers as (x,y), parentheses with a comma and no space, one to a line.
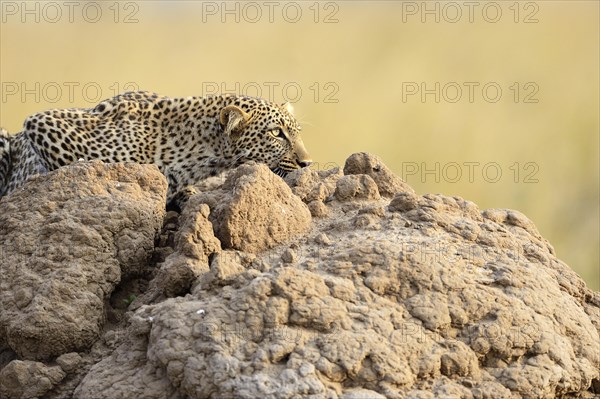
(4,160)
(187,138)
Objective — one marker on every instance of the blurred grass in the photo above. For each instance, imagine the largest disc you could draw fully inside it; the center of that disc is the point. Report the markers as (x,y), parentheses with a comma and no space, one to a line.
(176,49)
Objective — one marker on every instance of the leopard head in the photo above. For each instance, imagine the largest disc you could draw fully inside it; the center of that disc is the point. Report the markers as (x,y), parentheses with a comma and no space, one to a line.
(265,132)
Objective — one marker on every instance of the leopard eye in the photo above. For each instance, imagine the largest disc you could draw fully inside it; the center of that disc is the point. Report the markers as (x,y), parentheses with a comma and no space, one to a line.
(277,133)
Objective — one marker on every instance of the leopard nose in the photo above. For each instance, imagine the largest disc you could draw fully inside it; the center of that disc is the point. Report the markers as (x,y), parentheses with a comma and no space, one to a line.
(305,163)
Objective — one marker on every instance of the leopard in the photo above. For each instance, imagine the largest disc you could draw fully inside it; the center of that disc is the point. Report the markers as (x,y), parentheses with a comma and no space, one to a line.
(188,138)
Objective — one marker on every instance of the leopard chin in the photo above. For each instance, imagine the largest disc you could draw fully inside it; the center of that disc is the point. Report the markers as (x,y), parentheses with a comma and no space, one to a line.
(284,167)
(280,171)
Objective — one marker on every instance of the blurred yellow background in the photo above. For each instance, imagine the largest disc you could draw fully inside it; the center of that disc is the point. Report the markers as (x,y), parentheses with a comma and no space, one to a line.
(496,102)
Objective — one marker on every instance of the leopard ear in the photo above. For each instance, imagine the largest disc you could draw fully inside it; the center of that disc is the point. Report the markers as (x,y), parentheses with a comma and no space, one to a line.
(288,107)
(233,119)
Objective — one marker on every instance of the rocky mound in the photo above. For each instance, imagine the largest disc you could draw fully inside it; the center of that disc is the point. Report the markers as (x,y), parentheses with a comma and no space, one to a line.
(332,284)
